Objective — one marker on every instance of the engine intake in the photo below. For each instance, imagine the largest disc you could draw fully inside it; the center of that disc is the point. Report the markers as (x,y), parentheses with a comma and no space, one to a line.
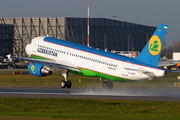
(45,71)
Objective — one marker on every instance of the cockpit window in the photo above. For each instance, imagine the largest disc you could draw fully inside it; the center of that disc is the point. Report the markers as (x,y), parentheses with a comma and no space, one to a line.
(30,42)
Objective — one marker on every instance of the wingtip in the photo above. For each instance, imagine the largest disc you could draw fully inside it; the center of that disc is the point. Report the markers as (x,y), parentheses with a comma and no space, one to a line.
(9,56)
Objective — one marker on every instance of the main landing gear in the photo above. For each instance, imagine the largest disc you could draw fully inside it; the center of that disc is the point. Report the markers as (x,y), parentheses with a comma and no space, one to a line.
(108,84)
(65,83)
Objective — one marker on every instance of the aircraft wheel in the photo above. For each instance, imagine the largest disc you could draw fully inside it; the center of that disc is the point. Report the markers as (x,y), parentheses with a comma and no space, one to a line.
(63,84)
(69,84)
(105,84)
(108,84)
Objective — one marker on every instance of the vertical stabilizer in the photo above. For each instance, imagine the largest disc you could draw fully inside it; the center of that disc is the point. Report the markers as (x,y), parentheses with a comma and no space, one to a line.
(152,51)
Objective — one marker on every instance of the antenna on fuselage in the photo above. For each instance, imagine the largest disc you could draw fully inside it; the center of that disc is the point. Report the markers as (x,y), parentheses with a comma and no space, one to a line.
(47,35)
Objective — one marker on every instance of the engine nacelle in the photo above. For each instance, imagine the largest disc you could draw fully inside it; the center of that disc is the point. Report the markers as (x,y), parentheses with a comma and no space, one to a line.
(39,70)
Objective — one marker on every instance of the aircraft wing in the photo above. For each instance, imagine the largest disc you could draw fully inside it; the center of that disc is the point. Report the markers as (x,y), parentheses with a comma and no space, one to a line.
(168,62)
(61,65)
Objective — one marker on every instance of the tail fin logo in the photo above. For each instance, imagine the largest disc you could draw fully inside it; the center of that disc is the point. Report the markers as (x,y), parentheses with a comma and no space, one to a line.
(154,45)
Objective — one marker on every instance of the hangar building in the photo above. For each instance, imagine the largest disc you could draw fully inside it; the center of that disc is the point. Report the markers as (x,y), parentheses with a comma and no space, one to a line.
(6,39)
(104,33)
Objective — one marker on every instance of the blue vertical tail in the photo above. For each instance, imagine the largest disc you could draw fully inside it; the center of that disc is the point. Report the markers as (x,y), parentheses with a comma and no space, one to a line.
(152,51)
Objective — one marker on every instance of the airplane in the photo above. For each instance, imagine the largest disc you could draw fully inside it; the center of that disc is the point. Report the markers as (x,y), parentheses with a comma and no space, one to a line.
(46,52)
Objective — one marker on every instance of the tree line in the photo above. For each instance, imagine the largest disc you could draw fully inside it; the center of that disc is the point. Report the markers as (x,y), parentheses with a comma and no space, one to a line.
(169,51)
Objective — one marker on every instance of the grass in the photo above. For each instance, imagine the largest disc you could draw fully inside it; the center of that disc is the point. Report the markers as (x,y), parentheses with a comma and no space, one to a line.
(80,109)
(7,78)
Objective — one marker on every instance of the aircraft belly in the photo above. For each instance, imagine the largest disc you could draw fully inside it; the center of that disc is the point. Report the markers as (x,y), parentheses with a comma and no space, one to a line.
(98,70)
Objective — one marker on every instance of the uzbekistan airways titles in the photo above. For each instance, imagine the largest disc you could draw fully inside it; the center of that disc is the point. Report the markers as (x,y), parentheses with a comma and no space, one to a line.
(48,51)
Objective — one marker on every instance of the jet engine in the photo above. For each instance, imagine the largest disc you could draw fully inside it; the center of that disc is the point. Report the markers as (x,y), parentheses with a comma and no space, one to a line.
(39,70)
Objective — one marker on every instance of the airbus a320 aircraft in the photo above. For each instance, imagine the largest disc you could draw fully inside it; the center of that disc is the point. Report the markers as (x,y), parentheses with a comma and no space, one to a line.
(46,52)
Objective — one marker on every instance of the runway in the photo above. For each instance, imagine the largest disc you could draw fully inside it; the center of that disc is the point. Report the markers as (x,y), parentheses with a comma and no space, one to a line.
(138,94)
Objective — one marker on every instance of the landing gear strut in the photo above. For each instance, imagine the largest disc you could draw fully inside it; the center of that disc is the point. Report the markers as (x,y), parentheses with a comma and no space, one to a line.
(108,84)
(65,83)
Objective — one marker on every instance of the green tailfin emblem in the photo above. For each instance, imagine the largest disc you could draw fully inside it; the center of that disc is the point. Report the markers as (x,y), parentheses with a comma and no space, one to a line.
(154,46)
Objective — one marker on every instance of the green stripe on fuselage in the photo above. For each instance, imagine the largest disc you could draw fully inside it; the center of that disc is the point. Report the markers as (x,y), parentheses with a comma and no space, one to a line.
(39,57)
(90,73)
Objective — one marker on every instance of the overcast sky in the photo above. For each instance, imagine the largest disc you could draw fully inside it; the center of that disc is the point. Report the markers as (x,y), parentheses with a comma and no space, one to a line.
(145,12)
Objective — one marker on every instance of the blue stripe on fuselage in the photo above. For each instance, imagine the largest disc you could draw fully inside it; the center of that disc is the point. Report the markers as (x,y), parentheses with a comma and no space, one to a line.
(95,51)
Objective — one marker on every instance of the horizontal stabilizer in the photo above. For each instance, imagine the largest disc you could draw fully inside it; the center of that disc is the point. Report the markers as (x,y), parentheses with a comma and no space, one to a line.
(142,71)
(168,62)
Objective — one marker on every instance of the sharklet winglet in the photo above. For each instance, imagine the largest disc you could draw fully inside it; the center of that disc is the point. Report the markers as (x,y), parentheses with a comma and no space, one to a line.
(9,56)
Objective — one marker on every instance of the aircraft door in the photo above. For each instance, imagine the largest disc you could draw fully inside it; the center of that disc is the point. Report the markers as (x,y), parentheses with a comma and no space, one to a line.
(34,46)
